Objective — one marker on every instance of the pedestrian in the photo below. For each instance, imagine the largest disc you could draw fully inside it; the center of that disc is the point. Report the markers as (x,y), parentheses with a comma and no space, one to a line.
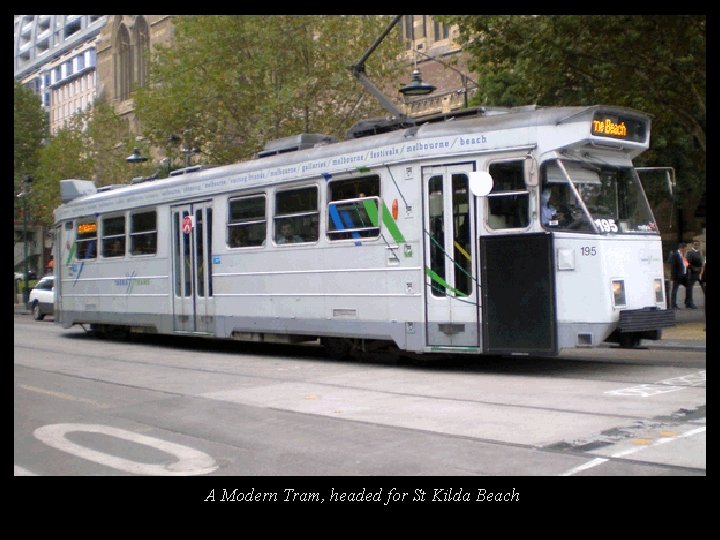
(678,273)
(703,279)
(694,267)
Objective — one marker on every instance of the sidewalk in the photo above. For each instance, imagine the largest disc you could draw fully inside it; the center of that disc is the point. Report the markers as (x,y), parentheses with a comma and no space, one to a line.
(688,333)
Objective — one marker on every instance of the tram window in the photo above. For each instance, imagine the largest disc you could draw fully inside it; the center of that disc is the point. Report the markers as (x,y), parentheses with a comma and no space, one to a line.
(113,239)
(86,240)
(246,222)
(143,233)
(353,208)
(508,200)
(296,215)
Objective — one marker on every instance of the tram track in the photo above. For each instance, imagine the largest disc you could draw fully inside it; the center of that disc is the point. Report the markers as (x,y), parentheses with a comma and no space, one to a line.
(559,407)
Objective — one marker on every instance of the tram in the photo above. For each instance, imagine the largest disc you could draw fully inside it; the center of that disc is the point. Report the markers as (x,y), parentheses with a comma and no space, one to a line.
(432,236)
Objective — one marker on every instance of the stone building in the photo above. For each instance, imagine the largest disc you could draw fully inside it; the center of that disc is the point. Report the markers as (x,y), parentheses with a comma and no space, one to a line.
(123,55)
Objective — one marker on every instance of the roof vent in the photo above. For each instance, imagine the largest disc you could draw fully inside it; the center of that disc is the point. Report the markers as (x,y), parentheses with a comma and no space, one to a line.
(72,189)
(295,143)
(186,170)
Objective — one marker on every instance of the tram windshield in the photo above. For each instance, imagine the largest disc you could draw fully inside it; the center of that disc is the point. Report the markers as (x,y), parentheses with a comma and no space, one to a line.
(600,199)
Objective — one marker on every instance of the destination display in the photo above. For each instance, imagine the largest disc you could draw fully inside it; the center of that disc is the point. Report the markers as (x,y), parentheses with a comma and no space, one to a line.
(616,126)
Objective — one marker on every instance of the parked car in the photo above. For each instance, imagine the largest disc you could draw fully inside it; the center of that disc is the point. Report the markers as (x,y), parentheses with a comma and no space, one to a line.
(42,298)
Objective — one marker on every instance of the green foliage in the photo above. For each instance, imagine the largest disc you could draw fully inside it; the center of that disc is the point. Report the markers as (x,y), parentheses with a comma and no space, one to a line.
(30,128)
(653,63)
(94,145)
(230,83)
(63,157)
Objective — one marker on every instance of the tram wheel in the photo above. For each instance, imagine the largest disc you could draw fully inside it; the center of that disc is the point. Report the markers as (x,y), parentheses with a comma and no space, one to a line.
(629,340)
(337,348)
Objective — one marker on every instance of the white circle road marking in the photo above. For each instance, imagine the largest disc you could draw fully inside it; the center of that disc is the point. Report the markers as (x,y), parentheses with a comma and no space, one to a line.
(190,461)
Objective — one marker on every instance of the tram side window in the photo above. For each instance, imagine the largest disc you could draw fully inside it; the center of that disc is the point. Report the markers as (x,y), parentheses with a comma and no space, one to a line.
(508,200)
(353,208)
(296,215)
(143,233)
(246,221)
(86,240)
(113,239)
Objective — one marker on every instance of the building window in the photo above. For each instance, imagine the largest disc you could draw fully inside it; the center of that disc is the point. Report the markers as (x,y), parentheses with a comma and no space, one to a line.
(409,32)
(142,51)
(122,63)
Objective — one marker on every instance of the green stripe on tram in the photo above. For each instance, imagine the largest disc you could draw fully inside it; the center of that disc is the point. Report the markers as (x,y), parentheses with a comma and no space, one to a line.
(388,221)
(71,253)
(437,279)
(371,210)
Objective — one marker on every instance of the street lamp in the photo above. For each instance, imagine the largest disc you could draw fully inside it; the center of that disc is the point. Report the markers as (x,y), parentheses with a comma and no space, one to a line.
(136,157)
(463,77)
(416,87)
(27,179)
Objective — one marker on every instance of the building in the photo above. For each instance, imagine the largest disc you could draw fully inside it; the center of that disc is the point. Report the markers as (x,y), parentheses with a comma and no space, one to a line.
(123,57)
(69,61)
(55,56)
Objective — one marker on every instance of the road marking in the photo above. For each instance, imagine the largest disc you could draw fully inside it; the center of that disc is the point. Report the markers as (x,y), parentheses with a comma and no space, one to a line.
(662,387)
(598,461)
(19,471)
(60,395)
(645,390)
(190,462)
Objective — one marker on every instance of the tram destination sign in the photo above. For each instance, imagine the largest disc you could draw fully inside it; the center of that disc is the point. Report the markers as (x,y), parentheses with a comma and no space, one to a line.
(617,126)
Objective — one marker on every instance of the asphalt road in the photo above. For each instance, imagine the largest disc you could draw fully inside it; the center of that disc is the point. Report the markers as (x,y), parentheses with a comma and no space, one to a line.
(83,405)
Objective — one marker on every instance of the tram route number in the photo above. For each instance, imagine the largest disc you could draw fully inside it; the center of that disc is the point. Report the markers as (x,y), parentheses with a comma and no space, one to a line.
(587,251)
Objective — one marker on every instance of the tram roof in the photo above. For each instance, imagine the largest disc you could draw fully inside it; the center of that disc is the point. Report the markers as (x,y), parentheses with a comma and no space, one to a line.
(469,122)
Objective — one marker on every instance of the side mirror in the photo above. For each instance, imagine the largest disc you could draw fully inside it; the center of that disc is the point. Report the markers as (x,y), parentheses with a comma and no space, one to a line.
(481,183)
(531,168)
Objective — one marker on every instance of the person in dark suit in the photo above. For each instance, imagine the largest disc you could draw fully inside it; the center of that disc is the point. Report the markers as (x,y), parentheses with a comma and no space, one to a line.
(678,273)
(695,262)
(703,283)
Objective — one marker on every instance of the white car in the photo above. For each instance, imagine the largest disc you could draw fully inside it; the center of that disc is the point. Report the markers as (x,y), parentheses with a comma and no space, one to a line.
(42,298)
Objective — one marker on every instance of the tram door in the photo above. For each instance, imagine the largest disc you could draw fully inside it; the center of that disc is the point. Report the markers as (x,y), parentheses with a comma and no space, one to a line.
(193,307)
(450,254)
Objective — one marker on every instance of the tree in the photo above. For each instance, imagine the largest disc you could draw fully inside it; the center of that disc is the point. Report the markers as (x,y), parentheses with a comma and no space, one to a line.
(94,145)
(63,157)
(653,63)
(30,129)
(230,83)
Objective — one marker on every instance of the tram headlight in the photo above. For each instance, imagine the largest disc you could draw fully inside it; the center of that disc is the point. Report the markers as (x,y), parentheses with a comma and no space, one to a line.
(618,289)
(659,296)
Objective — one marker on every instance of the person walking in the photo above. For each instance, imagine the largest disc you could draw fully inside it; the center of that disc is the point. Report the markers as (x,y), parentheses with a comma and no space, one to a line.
(694,267)
(703,283)
(678,273)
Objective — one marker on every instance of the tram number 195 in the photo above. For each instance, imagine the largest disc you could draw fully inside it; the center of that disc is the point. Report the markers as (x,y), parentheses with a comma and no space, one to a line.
(587,251)
(606,225)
